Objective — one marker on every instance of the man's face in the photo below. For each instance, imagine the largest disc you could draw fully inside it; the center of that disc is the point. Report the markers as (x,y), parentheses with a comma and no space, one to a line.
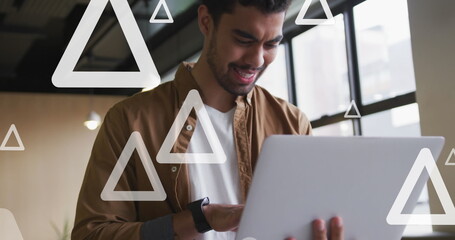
(241,47)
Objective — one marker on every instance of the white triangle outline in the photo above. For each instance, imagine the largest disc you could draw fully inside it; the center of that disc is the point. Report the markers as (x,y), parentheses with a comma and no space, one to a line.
(65,76)
(157,9)
(300,20)
(426,161)
(451,155)
(158,194)
(12,129)
(12,231)
(357,115)
(193,100)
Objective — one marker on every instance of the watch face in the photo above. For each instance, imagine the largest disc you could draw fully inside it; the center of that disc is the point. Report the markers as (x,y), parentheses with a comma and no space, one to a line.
(205,201)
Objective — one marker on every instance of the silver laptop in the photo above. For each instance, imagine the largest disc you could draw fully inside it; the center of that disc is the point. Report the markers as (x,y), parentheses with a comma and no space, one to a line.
(300,178)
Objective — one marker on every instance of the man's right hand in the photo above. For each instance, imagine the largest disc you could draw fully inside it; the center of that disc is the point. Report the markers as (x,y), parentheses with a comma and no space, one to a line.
(223,217)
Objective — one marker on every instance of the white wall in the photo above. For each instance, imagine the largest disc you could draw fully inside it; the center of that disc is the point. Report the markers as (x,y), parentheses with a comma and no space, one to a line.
(433,40)
(40,185)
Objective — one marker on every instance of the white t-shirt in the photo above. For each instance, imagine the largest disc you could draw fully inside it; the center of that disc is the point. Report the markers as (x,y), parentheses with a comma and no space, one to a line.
(219,182)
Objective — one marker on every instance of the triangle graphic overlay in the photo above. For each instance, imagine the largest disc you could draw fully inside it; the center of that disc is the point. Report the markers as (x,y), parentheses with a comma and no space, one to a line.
(300,20)
(157,9)
(158,194)
(426,161)
(451,157)
(8,226)
(193,100)
(357,113)
(12,129)
(65,76)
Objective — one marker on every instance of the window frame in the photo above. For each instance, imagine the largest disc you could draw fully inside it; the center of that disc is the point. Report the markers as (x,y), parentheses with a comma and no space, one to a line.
(347,9)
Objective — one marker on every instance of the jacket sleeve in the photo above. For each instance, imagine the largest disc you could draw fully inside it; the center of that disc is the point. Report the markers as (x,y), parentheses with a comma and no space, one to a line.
(112,220)
(305,125)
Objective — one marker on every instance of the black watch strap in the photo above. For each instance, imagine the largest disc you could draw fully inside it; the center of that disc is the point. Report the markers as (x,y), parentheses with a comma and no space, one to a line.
(200,221)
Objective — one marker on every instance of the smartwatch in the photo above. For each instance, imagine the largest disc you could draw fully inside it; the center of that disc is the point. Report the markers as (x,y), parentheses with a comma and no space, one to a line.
(200,221)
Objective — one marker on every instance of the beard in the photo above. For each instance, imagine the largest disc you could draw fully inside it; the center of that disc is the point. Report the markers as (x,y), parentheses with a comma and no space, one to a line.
(223,78)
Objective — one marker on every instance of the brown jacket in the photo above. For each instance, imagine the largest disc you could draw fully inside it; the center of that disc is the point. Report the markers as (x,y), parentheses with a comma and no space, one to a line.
(257,116)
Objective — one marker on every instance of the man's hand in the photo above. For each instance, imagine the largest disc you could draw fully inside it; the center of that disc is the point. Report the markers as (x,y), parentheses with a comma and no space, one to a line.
(320,230)
(223,217)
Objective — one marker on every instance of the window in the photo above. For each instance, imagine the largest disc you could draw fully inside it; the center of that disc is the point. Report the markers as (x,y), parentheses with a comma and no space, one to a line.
(321,75)
(274,79)
(366,56)
(397,122)
(384,49)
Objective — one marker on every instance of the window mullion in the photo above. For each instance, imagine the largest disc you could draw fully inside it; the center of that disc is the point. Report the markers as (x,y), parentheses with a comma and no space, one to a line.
(292,93)
(353,65)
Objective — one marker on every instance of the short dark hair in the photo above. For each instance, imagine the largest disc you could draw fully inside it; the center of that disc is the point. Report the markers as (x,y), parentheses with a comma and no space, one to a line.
(218,7)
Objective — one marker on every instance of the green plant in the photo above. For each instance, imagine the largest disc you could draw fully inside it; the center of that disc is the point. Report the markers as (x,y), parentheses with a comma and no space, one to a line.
(65,233)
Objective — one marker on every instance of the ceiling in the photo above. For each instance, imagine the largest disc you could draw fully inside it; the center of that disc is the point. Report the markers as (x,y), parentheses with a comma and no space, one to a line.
(34,34)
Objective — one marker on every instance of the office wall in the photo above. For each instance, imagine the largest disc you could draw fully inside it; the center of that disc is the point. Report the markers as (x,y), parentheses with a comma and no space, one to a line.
(433,41)
(40,185)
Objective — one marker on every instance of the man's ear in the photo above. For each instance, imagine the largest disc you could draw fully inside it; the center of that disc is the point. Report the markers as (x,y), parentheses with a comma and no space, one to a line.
(204,20)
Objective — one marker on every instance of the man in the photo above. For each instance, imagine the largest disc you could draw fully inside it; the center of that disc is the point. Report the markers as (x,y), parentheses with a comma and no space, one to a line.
(241,39)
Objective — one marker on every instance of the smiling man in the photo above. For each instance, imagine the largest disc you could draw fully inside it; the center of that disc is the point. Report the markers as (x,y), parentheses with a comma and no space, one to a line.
(240,40)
